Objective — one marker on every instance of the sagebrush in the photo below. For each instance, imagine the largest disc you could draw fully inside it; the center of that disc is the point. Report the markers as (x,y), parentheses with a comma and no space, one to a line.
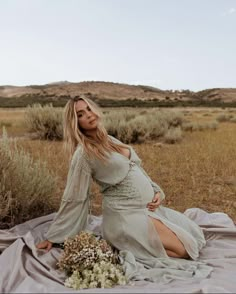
(45,121)
(128,126)
(27,186)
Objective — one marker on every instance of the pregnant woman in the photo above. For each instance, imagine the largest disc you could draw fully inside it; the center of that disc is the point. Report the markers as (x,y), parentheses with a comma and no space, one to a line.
(133,218)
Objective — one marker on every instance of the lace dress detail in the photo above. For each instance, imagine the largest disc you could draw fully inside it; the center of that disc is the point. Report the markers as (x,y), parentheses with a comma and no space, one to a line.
(125,194)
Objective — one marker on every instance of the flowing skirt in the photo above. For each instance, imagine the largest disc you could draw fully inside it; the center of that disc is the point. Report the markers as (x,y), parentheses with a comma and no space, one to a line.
(127,224)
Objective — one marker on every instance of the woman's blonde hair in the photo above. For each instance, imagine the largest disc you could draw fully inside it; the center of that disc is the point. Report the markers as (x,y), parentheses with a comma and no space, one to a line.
(98,147)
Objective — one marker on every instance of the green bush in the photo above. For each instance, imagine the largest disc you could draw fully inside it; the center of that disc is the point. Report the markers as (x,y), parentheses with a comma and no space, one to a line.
(5,124)
(129,126)
(26,186)
(173,135)
(45,121)
(195,126)
(233,119)
(132,126)
(223,117)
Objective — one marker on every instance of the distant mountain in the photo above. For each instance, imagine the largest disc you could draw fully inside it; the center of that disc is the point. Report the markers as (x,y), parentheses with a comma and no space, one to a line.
(108,91)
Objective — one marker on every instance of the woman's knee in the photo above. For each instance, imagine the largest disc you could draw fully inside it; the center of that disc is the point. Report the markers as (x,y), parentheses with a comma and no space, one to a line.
(182,252)
(169,240)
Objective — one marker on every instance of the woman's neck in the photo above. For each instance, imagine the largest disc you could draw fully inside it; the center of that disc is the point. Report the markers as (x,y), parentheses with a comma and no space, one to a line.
(91,134)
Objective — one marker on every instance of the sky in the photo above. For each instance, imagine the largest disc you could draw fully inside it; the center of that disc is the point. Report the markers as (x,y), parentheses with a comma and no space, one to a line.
(168,44)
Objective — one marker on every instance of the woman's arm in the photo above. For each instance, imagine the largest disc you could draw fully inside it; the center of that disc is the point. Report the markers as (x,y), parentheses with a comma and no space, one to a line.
(73,212)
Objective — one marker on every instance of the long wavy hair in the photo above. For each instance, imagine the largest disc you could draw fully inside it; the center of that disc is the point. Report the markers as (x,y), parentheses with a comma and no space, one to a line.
(100,146)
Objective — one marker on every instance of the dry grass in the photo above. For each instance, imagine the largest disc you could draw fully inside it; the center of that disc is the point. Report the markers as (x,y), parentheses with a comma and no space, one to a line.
(200,171)
(14,117)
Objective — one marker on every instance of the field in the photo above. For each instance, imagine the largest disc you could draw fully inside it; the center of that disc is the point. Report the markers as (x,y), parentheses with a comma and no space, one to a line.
(199,171)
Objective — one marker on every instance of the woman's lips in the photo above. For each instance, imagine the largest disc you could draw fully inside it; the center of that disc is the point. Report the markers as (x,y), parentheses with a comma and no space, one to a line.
(92,121)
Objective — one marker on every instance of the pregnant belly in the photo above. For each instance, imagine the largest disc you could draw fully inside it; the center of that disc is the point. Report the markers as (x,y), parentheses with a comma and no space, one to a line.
(134,192)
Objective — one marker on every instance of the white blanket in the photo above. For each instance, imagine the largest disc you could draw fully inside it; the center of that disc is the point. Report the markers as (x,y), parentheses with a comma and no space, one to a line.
(24,269)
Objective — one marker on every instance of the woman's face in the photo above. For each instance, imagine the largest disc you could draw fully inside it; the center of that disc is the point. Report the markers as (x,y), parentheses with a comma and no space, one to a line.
(86,118)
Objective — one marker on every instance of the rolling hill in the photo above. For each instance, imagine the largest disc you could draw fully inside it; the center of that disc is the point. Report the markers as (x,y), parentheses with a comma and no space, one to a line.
(108,94)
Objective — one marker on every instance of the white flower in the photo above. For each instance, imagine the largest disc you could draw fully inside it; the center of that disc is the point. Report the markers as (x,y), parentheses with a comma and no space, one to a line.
(92,262)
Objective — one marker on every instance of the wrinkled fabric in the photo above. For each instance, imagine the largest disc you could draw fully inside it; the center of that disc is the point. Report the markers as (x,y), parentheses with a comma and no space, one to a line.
(24,269)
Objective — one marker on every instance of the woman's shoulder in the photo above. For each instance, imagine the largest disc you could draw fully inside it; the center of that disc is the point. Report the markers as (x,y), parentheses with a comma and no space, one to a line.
(80,154)
(80,159)
(79,151)
(115,140)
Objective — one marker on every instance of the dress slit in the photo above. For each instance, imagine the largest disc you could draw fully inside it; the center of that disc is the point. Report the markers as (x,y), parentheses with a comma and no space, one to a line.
(168,238)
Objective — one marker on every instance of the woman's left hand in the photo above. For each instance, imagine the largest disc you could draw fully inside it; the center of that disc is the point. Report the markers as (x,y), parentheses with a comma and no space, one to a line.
(156,201)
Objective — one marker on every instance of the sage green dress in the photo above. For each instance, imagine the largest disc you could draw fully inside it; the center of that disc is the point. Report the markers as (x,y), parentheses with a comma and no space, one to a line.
(126,190)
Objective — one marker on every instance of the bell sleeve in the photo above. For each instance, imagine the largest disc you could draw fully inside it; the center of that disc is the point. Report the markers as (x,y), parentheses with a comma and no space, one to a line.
(73,212)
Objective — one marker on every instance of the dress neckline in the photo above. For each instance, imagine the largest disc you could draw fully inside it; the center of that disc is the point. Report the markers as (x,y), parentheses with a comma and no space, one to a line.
(130,154)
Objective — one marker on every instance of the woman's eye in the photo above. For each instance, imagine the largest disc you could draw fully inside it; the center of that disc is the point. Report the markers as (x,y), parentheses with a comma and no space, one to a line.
(89,109)
(80,115)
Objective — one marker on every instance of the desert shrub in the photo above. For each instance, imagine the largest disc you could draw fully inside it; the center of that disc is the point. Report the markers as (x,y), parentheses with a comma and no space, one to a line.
(188,126)
(223,117)
(195,126)
(5,124)
(174,118)
(143,112)
(45,121)
(233,119)
(212,125)
(130,126)
(173,135)
(26,186)
(135,127)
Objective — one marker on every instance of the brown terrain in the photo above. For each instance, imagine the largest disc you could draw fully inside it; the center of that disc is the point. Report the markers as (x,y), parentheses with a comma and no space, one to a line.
(116,91)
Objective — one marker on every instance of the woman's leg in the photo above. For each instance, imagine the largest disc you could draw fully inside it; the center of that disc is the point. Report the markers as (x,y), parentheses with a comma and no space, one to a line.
(173,246)
(174,254)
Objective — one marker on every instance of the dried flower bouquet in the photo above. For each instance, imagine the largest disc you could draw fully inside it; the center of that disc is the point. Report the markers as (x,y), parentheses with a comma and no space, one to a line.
(90,262)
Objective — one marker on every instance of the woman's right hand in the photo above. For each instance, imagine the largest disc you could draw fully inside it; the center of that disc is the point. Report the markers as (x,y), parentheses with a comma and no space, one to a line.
(44,245)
